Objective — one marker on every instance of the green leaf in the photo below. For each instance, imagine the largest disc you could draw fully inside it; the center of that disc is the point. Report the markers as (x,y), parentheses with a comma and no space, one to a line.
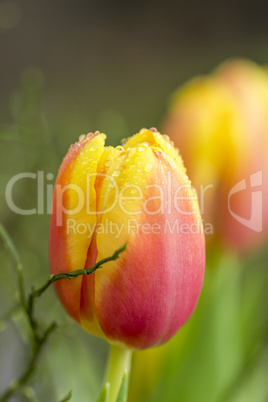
(104,395)
(67,397)
(122,394)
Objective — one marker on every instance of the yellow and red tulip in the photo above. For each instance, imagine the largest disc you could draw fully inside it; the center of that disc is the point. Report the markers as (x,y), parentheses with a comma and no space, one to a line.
(220,124)
(137,194)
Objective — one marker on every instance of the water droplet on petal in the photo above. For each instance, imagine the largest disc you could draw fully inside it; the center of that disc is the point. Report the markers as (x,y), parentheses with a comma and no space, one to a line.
(116,173)
(119,148)
(172,164)
(154,129)
(166,137)
(93,148)
(143,130)
(148,167)
(82,137)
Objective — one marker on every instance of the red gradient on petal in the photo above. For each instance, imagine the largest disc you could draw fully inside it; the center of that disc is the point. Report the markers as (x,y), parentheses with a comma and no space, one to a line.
(155,284)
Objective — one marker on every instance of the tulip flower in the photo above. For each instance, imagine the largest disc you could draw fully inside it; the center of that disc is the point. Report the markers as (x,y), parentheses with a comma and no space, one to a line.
(137,194)
(220,124)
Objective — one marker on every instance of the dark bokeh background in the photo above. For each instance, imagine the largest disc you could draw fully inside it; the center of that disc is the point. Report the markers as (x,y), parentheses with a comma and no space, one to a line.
(122,56)
(70,67)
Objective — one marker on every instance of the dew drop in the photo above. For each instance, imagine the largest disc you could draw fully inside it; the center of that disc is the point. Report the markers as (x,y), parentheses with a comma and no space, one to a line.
(143,130)
(116,173)
(154,129)
(93,148)
(82,137)
(172,164)
(166,137)
(108,162)
(148,167)
(141,149)
(119,148)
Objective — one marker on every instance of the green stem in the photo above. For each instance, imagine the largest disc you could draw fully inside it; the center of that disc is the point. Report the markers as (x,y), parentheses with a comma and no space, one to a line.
(10,245)
(119,362)
(73,274)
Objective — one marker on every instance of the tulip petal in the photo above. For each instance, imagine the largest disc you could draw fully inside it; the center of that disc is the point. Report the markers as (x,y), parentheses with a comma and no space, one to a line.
(68,242)
(137,297)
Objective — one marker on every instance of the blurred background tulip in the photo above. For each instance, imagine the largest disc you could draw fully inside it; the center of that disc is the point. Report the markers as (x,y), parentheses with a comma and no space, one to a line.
(220,124)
